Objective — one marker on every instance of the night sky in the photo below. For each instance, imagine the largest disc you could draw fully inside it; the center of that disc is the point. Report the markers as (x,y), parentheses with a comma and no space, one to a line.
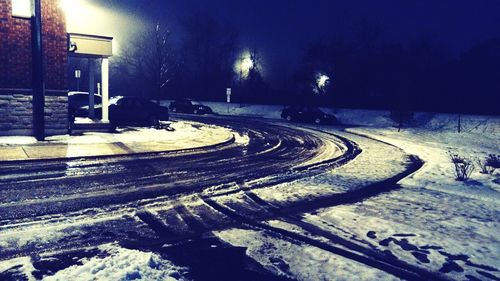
(281,29)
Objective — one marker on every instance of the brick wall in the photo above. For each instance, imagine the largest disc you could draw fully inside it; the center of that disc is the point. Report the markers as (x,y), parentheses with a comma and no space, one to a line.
(15,69)
(16,114)
(15,47)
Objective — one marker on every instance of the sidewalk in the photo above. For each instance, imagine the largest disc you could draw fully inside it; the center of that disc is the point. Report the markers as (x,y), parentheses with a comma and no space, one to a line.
(180,136)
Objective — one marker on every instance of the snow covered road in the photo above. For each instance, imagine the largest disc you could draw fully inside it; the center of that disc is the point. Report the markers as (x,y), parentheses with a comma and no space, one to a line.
(281,203)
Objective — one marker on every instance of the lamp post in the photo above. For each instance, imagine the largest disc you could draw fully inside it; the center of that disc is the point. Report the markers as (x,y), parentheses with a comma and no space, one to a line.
(38,73)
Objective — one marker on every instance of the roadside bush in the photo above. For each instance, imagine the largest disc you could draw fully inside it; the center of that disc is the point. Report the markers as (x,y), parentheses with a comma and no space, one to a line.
(485,169)
(463,167)
(493,161)
(490,164)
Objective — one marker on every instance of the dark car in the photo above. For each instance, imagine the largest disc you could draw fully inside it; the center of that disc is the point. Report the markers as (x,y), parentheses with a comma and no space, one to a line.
(79,99)
(188,106)
(307,114)
(130,111)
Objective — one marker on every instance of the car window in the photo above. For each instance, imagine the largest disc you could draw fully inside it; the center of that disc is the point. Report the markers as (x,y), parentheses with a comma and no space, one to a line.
(125,103)
(316,110)
(78,98)
(148,103)
(134,103)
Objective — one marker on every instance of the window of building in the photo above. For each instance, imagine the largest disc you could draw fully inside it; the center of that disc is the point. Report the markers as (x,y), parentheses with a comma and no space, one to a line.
(22,8)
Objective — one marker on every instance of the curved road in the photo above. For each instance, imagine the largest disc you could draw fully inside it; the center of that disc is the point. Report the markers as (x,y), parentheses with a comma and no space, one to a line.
(34,189)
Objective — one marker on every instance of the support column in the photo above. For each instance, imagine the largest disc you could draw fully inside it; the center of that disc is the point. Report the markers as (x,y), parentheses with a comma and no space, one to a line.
(91,88)
(105,89)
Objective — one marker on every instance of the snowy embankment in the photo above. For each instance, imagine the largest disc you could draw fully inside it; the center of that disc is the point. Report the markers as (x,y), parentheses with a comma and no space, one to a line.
(434,221)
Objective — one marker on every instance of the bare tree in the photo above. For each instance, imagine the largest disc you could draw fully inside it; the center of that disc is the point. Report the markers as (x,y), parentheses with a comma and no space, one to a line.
(209,52)
(151,62)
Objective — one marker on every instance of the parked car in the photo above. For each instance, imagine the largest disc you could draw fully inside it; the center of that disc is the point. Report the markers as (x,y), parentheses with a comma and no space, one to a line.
(188,106)
(79,99)
(307,114)
(130,111)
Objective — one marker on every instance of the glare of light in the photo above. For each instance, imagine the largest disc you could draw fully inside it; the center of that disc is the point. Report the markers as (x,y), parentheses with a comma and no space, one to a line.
(80,15)
(244,65)
(69,5)
(87,18)
(322,81)
(247,64)
(22,8)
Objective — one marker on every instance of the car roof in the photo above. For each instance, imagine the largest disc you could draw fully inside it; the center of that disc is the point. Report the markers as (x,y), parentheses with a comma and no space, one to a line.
(81,93)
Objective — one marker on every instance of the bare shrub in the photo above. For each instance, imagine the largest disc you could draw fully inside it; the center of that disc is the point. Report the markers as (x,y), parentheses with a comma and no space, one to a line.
(456,159)
(485,169)
(493,161)
(489,164)
(463,167)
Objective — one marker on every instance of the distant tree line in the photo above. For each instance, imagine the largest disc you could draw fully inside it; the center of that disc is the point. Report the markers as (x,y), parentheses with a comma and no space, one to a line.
(363,71)
(420,76)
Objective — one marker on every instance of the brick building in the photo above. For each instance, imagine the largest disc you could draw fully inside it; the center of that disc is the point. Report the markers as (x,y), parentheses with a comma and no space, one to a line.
(15,70)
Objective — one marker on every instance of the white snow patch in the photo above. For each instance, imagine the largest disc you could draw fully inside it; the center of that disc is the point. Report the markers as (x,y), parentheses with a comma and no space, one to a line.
(25,267)
(301,262)
(122,264)
(21,238)
(241,139)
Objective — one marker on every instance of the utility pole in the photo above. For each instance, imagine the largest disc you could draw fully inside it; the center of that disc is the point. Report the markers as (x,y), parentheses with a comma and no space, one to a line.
(38,73)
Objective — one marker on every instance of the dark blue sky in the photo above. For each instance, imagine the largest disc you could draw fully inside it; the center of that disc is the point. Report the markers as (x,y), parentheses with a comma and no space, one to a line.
(282,28)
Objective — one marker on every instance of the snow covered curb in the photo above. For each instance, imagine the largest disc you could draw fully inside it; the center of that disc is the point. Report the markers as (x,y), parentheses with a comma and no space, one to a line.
(177,137)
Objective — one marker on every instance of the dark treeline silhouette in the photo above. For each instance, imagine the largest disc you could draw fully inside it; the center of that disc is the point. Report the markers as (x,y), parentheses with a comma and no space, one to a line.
(420,76)
(364,72)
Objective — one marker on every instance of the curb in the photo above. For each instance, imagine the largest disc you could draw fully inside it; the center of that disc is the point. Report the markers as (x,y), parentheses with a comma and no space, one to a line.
(229,141)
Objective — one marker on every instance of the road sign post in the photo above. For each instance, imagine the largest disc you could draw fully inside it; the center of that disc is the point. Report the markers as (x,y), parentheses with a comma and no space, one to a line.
(78,75)
(228,98)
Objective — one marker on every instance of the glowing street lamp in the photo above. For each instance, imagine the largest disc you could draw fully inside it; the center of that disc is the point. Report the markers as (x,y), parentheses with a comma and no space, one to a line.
(244,65)
(321,83)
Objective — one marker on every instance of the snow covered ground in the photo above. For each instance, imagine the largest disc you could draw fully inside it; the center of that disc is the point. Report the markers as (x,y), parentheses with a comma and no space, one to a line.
(431,221)
(434,221)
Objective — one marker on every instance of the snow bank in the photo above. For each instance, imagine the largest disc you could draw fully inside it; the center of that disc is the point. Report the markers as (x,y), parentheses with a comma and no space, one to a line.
(434,148)
(22,265)
(370,118)
(122,264)
(180,131)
